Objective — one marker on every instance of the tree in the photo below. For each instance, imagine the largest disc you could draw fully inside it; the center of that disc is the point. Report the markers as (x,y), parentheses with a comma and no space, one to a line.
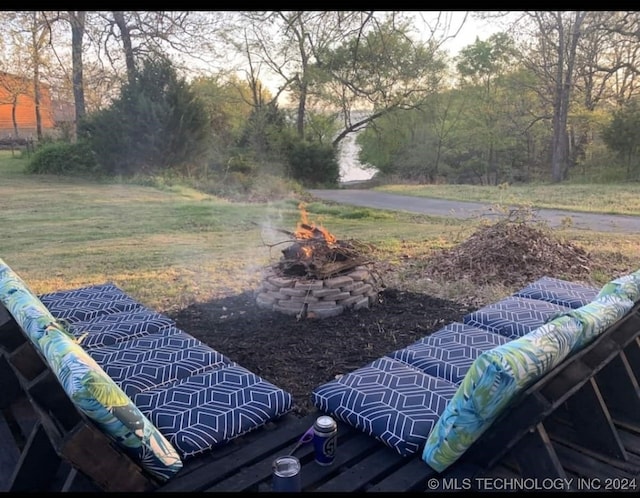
(190,36)
(77,21)
(341,61)
(557,37)
(481,66)
(622,135)
(155,124)
(28,34)
(381,69)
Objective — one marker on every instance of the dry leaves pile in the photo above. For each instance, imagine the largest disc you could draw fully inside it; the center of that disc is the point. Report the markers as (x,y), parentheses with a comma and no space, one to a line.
(514,251)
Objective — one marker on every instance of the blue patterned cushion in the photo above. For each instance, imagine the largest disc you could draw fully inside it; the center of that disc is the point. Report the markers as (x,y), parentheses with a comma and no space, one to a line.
(171,336)
(216,406)
(389,400)
(200,397)
(109,329)
(449,352)
(138,369)
(144,352)
(558,291)
(88,302)
(80,294)
(514,317)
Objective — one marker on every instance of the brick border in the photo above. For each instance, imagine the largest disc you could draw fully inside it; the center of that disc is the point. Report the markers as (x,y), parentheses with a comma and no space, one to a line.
(304,297)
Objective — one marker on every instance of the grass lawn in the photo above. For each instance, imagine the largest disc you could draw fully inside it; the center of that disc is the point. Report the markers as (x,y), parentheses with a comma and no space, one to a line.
(173,246)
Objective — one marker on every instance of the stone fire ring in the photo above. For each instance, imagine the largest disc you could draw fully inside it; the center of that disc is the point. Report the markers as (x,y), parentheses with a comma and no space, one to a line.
(311,298)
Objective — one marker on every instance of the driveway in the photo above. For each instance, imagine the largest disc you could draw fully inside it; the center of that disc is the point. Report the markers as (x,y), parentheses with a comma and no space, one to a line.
(463,210)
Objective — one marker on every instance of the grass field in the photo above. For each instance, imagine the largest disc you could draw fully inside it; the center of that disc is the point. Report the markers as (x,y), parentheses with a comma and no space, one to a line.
(171,246)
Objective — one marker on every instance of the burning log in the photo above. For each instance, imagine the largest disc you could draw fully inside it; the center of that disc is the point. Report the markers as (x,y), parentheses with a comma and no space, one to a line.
(317,253)
(317,259)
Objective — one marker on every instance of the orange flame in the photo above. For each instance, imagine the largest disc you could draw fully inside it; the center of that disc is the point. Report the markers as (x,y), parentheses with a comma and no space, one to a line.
(308,230)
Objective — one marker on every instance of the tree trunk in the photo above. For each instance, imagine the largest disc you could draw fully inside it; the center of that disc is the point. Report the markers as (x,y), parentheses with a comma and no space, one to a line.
(302,108)
(36,100)
(567,45)
(13,117)
(125,34)
(36,76)
(77,20)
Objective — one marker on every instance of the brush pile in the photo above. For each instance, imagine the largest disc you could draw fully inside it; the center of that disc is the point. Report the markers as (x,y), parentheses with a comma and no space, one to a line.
(514,251)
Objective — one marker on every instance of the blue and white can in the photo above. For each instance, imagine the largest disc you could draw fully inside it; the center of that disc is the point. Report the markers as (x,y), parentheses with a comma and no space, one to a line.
(325,439)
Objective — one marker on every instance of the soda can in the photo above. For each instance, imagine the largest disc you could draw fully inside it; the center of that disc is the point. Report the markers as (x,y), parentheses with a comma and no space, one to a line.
(286,474)
(325,439)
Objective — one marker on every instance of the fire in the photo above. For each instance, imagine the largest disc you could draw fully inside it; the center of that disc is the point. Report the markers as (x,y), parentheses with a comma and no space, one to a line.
(307,230)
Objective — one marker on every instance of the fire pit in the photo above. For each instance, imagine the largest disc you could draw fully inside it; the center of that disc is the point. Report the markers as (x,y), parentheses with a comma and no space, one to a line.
(318,276)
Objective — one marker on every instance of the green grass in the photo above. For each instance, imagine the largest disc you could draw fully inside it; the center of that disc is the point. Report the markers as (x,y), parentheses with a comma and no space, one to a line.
(172,246)
(608,199)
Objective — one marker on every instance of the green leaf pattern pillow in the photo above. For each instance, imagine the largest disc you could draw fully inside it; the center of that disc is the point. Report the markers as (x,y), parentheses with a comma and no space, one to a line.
(88,386)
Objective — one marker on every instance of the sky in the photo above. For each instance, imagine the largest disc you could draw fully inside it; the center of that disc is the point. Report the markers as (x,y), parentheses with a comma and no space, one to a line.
(449,22)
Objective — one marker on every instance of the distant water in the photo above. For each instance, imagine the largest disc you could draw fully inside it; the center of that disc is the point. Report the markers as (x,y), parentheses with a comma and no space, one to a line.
(351,169)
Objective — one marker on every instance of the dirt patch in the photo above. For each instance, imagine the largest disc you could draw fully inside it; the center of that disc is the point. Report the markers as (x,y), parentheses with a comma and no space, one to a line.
(298,355)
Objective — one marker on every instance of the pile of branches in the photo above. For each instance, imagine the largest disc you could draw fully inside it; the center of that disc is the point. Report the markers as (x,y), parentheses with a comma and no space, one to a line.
(315,258)
(514,251)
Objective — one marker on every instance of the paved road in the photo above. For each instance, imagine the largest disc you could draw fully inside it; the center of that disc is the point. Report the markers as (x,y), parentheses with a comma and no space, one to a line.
(464,210)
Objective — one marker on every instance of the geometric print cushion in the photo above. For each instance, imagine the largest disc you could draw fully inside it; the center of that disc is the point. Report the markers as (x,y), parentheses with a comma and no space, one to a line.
(449,352)
(140,370)
(88,302)
(558,291)
(497,376)
(83,294)
(126,339)
(213,407)
(514,317)
(168,337)
(201,397)
(394,402)
(112,328)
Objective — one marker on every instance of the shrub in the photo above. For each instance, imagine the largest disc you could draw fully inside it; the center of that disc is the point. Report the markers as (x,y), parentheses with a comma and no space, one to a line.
(313,164)
(63,158)
(157,123)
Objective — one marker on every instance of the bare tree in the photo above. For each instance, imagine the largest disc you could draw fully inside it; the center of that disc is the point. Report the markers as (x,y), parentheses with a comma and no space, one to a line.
(553,58)
(77,21)
(287,43)
(127,45)
(15,69)
(32,30)
(191,38)
(14,86)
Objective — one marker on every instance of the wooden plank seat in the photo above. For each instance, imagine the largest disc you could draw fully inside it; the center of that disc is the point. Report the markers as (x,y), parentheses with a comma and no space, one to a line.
(94,361)
(465,396)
